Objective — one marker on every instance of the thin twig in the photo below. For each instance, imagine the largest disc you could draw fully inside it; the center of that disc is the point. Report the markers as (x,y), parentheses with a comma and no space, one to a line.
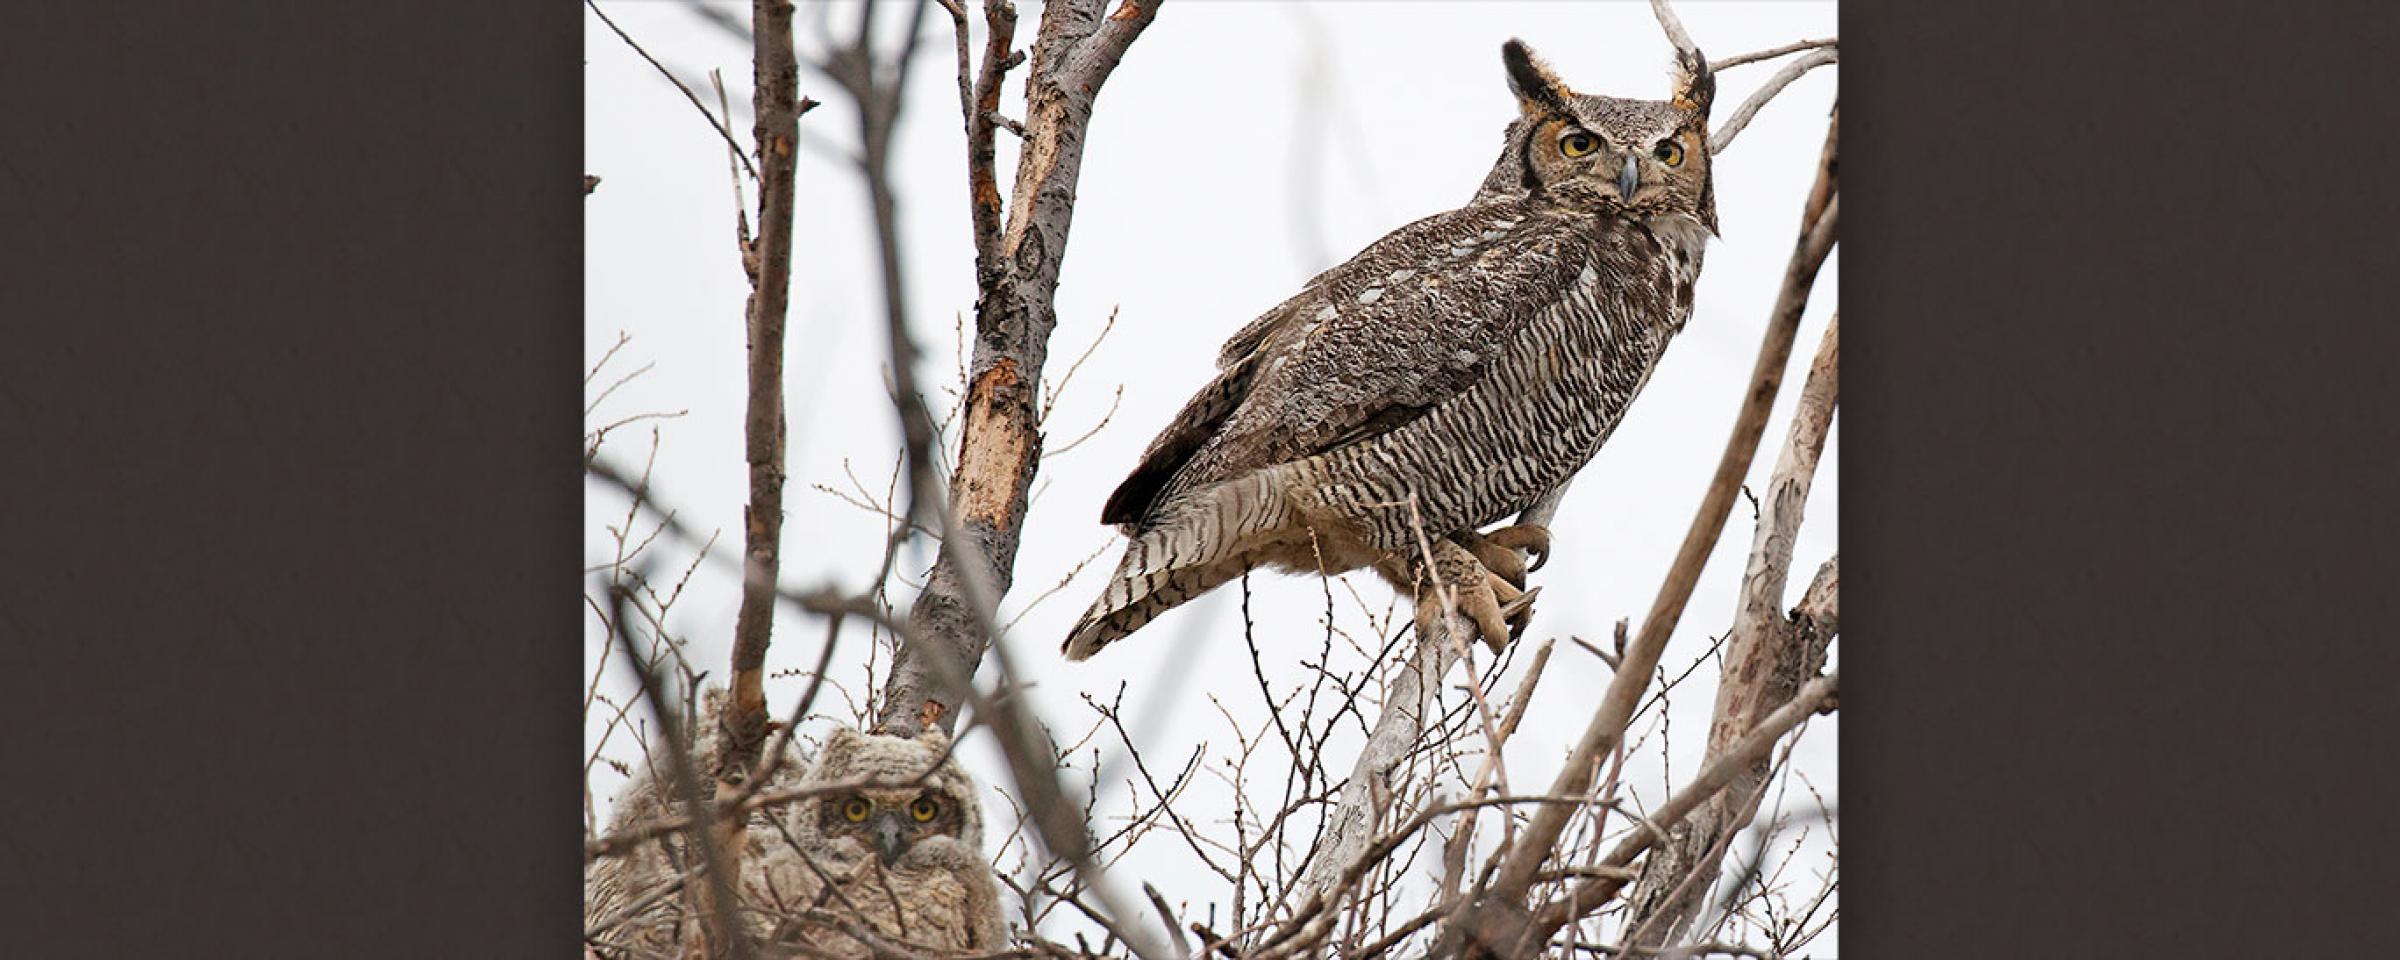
(713,122)
(1723,135)
(1587,895)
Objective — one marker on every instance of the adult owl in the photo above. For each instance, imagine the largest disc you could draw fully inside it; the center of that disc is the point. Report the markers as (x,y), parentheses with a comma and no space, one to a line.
(1449,375)
(894,851)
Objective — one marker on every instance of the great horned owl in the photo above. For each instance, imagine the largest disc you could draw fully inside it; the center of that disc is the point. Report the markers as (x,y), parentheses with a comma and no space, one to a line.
(903,854)
(1449,375)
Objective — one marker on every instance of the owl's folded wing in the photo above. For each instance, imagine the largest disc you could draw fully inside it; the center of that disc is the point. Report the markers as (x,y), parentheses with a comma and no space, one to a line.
(1368,347)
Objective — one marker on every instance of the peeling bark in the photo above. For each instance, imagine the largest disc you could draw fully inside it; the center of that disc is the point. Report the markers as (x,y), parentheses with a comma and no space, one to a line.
(1017,279)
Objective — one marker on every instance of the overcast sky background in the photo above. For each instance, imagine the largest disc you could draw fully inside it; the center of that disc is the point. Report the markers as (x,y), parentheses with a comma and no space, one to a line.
(1240,148)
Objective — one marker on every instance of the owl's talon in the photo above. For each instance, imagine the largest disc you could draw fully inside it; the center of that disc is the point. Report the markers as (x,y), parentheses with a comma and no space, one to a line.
(1514,607)
(1532,538)
(1519,612)
(1501,560)
(1490,624)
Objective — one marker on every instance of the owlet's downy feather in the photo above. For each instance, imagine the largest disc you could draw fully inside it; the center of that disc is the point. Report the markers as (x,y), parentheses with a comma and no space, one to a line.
(1449,375)
(900,859)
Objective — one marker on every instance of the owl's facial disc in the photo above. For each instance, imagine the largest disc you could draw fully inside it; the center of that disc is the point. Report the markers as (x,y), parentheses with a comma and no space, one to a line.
(890,834)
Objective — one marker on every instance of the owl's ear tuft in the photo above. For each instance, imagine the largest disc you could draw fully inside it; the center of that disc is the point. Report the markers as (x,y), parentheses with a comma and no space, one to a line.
(1695,83)
(1538,89)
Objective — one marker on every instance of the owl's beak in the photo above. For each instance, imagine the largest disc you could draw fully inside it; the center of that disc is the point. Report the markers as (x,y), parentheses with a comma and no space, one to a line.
(1629,179)
(889,837)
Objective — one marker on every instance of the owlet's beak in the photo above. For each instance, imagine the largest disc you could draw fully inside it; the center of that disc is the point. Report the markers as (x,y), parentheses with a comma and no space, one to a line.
(1629,179)
(889,837)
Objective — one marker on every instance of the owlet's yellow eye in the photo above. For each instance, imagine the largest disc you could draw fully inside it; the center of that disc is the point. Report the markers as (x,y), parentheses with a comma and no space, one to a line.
(1578,143)
(855,810)
(1668,152)
(923,808)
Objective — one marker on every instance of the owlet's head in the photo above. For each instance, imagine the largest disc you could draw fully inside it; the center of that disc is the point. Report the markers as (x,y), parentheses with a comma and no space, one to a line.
(1641,158)
(919,808)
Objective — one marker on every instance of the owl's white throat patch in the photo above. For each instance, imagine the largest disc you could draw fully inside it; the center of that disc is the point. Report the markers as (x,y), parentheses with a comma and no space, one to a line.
(1684,240)
(1680,230)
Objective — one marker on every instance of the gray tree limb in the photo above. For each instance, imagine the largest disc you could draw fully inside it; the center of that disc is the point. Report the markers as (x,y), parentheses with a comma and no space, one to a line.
(1766,659)
(1408,700)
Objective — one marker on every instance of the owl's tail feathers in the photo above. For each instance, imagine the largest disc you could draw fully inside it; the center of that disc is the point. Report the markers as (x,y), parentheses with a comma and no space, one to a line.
(1205,539)
(1138,597)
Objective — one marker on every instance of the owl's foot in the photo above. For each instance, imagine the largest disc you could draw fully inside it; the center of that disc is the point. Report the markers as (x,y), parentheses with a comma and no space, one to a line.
(1517,610)
(1456,581)
(1504,563)
(1531,538)
(1498,609)
(1503,551)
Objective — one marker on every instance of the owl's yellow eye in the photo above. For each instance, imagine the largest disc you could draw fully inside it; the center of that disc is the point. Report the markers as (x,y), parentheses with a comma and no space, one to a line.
(1668,152)
(923,808)
(855,810)
(1578,143)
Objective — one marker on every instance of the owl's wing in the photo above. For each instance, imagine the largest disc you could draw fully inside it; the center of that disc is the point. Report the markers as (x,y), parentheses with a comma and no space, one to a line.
(1204,413)
(1368,347)
(1237,361)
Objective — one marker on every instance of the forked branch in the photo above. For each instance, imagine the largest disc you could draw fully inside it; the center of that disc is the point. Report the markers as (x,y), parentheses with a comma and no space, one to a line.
(1018,267)
(1766,658)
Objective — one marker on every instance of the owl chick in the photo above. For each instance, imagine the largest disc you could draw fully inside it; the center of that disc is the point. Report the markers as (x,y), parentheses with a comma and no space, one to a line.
(900,858)
(1451,374)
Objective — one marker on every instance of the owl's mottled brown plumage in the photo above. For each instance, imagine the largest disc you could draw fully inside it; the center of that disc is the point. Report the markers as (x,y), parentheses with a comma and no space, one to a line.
(613,887)
(922,884)
(1447,376)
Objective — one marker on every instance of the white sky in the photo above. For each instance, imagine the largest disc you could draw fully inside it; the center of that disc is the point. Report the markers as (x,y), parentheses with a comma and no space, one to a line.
(1239,149)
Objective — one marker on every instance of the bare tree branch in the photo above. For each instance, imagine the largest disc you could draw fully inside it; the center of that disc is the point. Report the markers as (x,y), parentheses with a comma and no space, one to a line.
(1304,933)
(1732,127)
(1408,698)
(1766,659)
(768,262)
(1676,34)
(1072,58)
(1770,53)
(724,934)
(979,105)
(1588,894)
(719,125)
